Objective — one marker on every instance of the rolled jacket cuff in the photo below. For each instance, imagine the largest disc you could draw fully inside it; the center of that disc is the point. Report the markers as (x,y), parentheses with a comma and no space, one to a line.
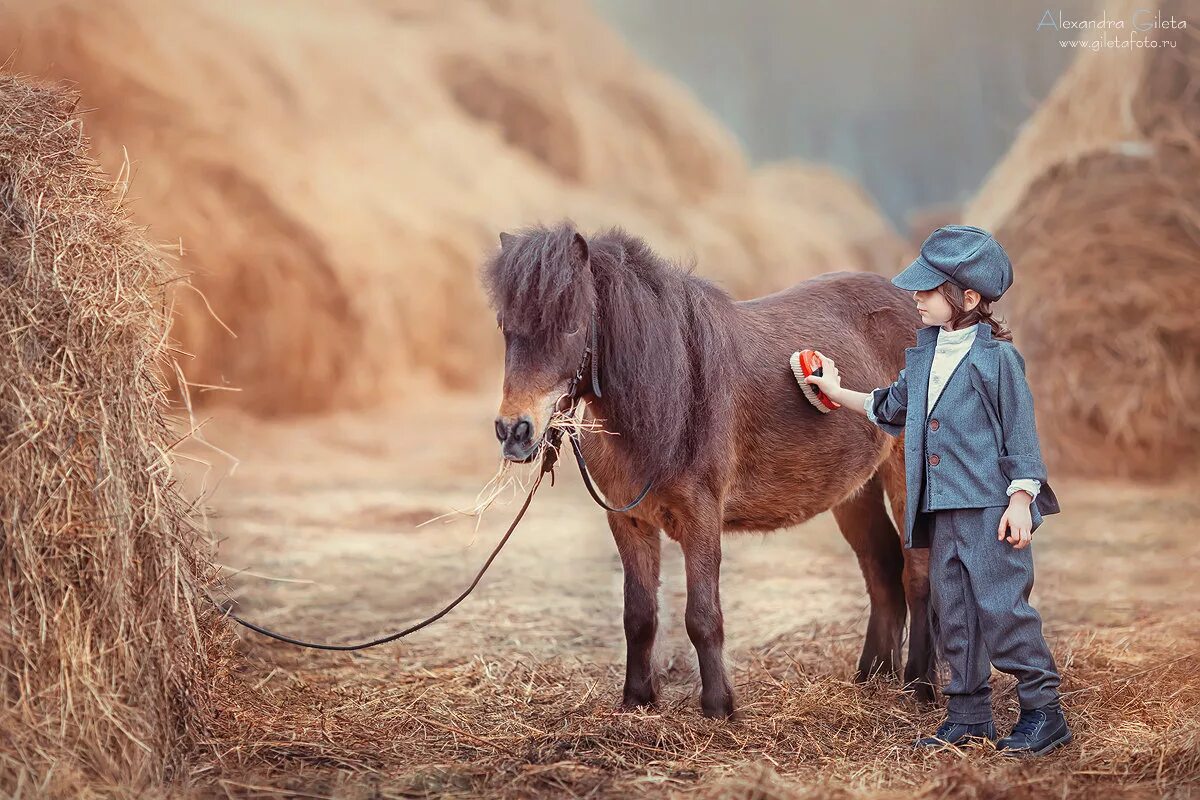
(1018,467)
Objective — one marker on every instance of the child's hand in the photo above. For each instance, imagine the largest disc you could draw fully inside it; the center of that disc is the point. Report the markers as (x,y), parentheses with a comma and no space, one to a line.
(1018,521)
(829,381)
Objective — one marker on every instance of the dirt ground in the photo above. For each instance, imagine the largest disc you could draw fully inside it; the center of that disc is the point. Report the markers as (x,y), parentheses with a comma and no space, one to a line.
(514,694)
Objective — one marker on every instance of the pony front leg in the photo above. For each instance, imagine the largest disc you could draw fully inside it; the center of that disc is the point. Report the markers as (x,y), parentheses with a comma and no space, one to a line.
(701,544)
(640,547)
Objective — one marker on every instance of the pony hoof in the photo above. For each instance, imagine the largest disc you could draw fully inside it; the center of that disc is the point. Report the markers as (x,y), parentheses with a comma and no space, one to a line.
(720,708)
(922,692)
(634,700)
(876,668)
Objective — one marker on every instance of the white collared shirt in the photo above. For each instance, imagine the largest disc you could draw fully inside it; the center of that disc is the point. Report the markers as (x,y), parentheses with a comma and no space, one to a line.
(952,346)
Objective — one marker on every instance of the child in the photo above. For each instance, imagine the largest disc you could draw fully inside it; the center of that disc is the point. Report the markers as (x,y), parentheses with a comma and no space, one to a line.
(973,466)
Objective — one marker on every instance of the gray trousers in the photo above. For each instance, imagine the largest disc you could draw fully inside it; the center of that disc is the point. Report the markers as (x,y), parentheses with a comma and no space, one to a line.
(979,588)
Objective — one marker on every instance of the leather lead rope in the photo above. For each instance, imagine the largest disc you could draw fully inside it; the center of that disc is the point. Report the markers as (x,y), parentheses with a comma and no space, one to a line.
(549,458)
(412,628)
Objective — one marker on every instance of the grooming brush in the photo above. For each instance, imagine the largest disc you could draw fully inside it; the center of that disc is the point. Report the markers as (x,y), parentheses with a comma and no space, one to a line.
(805,363)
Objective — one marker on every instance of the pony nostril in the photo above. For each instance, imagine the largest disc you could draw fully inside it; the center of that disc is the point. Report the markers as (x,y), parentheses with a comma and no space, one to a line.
(523,432)
(501,429)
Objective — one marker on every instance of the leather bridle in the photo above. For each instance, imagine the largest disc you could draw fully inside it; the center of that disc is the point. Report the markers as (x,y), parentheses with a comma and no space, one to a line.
(590,361)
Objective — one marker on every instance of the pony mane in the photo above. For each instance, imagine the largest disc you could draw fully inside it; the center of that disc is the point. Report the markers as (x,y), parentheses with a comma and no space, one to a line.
(666,355)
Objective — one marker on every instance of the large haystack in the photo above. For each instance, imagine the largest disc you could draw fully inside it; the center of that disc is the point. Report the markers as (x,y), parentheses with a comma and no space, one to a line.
(337,170)
(1099,205)
(104,647)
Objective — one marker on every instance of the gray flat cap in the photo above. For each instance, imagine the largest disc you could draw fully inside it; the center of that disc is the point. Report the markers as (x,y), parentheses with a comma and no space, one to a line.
(967,256)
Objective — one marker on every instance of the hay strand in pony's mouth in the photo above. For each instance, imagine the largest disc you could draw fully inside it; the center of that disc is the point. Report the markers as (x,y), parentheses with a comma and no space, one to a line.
(506,478)
(516,478)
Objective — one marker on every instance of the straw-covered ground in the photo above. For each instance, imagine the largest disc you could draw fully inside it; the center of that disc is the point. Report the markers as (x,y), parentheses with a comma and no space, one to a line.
(515,693)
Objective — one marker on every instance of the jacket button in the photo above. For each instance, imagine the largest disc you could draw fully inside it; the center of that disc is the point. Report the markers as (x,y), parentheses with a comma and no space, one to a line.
(934,460)
(933,424)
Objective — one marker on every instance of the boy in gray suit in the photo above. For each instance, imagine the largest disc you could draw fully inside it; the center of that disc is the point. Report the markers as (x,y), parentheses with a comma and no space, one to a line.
(976,489)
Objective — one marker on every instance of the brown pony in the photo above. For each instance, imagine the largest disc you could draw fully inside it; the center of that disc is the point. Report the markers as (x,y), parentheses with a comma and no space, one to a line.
(699,390)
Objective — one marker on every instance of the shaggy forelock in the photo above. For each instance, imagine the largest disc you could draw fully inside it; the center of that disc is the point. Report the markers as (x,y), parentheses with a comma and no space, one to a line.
(537,285)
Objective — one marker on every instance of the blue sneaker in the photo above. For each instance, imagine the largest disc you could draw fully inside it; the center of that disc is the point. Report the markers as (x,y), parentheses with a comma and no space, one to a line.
(958,733)
(1037,732)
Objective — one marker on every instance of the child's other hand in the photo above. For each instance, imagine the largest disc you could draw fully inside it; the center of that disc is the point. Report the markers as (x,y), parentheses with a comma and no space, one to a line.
(829,381)
(1018,522)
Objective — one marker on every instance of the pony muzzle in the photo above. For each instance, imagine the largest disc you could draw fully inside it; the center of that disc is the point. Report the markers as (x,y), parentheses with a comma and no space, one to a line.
(520,432)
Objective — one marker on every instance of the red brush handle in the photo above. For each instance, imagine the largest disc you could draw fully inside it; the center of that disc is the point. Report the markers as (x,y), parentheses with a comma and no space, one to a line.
(811,363)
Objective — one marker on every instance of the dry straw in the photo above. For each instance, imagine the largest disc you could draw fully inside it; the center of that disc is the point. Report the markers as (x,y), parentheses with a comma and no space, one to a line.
(435,724)
(106,656)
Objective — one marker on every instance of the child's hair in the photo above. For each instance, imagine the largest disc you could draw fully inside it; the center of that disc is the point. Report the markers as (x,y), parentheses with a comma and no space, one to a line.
(982,312)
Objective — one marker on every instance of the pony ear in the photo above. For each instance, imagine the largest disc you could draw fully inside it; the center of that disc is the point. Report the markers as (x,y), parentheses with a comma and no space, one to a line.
(506,239)
(579,247)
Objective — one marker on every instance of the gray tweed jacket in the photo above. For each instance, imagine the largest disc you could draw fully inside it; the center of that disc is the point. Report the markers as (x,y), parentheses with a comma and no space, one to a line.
(981,440)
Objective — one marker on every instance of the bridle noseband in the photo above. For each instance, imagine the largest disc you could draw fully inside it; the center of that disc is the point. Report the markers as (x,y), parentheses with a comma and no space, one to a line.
(574,393)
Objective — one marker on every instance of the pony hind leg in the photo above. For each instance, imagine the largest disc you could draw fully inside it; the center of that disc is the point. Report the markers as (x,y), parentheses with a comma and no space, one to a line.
(921,666)
(865,524)
(640,547)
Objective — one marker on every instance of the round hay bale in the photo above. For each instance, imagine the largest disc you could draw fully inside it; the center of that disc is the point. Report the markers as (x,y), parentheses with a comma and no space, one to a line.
(1088,108)
(335,172)
(1106,245)
(307,186)
(106,651)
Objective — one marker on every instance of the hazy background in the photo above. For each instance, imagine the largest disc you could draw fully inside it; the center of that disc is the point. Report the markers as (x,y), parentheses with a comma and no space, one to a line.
(915,100)
(336,174)
(329,177)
